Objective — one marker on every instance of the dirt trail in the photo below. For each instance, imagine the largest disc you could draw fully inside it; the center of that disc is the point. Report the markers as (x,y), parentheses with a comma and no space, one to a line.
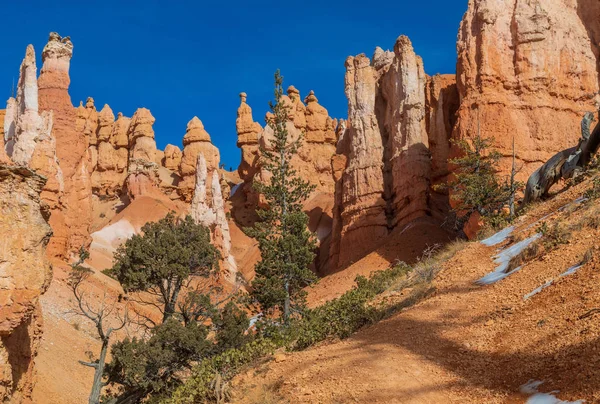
(466,343)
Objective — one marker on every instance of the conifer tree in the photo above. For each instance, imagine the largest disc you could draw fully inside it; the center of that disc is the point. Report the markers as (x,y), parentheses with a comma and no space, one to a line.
(286,245)
(476,186)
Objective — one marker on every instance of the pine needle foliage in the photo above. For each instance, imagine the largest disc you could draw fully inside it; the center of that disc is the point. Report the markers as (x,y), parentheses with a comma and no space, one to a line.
(286,246)
(162,260)
(476,187)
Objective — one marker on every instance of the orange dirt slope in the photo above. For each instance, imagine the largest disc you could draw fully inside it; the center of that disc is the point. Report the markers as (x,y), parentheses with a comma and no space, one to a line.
(466,343)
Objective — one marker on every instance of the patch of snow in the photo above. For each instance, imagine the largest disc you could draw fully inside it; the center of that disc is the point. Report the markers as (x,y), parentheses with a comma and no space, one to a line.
(538,289)
(531,387)
(110,237)
(495,276)
(547,398)
(254,319)
(234,189)
(498,237)
(571,270)
(577,201)
(503,259)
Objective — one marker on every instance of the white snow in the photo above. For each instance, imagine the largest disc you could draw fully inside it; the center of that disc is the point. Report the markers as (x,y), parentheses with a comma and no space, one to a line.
(537,290)
(503,259)
(531,388)
(498,237)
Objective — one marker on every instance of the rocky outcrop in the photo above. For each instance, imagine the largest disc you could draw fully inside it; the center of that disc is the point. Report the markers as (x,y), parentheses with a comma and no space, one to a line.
(312,121)
(213,216)
(3,156)
(25,274)
(195,141)
(142,171)
(383,168)
(29,140)
(71,219)
(111,166)
(24,125)
(527,69)
(199,210)
(172,157)
(360,221)
(442,103)
(248,133)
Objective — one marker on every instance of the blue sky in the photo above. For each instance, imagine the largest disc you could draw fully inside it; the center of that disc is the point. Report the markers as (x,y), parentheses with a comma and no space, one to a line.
(186,58)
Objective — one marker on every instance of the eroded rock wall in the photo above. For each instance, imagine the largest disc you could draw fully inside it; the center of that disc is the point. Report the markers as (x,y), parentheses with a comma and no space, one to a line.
(24,275)
(71,218)
(383,167)
(527,69)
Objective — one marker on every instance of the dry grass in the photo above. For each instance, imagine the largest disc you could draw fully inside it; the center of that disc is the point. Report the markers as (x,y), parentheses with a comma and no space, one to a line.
(533,251)
(587,256)
(265,394)
(429,264)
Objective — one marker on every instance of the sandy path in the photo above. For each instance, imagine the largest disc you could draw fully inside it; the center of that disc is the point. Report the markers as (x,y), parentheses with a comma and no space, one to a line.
(466,343)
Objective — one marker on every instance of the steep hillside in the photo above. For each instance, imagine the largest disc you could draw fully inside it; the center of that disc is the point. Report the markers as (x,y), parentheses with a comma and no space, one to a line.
(470,342)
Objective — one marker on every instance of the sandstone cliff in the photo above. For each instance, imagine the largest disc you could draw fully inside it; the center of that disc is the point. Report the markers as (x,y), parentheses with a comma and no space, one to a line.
(213,215)
(70,220)
(398,119)
(25,274)
(195,141)
(529,70)
(312,162)
(390,152)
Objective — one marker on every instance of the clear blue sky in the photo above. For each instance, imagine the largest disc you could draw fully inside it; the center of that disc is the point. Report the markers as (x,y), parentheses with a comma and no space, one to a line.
(186,58)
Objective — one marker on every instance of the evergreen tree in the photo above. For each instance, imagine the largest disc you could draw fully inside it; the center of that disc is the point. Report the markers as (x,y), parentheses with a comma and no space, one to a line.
(476,186)
(286,245)
(163,261)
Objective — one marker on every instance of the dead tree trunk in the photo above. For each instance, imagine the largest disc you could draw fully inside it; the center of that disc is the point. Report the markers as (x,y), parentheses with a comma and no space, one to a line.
(564,164)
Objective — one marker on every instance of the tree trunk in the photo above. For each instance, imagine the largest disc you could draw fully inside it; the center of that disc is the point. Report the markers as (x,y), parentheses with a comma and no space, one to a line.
(513,173)
(565,163)
(99,370)
(286,304)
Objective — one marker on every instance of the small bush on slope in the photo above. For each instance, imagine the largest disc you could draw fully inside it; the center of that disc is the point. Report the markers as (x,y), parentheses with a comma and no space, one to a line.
(337,318)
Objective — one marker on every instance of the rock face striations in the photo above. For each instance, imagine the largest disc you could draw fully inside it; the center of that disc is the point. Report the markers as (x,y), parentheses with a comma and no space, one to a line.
(308,119)
(24,275)
(383,167)
(529,70)
(195,141)
(213,215)
(71,218)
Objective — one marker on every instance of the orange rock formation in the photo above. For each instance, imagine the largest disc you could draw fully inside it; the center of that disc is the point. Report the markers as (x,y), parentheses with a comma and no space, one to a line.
(384,168)
(528,70)
(25,276)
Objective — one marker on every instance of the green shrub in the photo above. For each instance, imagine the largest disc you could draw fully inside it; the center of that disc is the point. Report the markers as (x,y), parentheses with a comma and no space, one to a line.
(337,318)
(594,191)
(343,316)
(198,387)
(553,236)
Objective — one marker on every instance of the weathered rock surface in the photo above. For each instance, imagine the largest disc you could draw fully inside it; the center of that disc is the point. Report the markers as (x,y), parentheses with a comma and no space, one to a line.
(172,157)
(3,156)
(529,70)
(383,168)
(70,220)
(442,103)
(195,141)
(24,275)
(24,124)
(29,140)
(213,216)
(248,133)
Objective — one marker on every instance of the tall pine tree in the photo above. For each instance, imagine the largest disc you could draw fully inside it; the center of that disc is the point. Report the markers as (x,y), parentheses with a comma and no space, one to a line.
(286,245)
